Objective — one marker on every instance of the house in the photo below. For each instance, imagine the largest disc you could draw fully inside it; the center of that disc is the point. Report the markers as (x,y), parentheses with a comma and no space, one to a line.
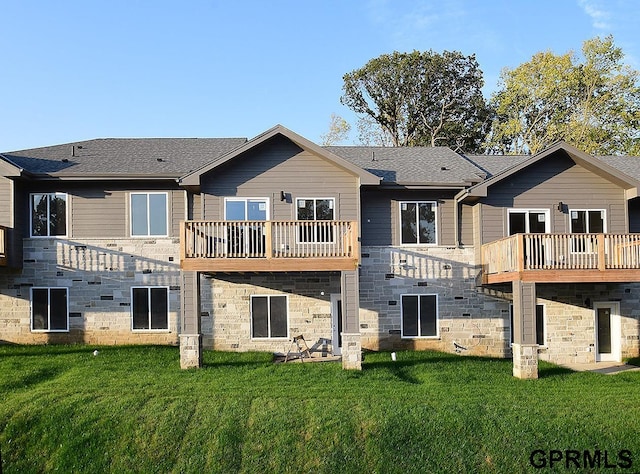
(235,244)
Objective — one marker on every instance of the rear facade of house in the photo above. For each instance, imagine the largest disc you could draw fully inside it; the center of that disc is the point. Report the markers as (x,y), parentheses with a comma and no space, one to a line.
(239,245)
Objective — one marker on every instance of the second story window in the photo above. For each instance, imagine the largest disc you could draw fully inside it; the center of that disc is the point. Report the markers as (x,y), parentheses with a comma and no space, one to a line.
(48,215)
(587,221)
(528,221)
(149,215)
(418,222)
(315,209)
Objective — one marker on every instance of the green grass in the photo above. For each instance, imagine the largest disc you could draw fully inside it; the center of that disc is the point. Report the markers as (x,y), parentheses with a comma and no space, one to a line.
(131,409)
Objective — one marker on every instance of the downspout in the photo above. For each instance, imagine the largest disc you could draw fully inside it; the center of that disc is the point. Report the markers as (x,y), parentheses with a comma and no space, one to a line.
(456,215)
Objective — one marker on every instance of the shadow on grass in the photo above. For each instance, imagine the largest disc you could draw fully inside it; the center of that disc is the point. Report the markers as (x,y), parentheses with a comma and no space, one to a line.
(553,371)
(32,378)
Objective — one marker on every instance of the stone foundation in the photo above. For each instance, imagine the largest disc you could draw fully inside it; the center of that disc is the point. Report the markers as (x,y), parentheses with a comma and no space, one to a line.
(525,361)
(190,351)
(351,352)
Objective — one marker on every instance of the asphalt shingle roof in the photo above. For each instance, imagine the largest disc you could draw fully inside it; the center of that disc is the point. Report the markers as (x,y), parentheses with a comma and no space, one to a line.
(494,164)
(124,156)
(412,165)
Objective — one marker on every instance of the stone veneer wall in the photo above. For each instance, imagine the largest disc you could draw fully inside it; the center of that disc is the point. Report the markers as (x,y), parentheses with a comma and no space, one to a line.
(466,315)
(99,275)
(570,319)
(226,309)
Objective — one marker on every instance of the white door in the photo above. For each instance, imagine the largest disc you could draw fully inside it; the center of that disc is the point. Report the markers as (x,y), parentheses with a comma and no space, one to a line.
(336,324)
(608,331)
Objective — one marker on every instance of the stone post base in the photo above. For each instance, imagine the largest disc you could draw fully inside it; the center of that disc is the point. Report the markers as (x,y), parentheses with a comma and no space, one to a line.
(351,351)
(525,361)
(190,351)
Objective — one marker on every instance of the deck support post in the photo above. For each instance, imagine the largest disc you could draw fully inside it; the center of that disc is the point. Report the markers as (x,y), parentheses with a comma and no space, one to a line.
(525,348)
(190,333)
(351,338)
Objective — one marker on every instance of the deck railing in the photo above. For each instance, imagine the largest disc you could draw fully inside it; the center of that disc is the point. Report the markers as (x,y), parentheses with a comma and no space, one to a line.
(269,239)
(562,252)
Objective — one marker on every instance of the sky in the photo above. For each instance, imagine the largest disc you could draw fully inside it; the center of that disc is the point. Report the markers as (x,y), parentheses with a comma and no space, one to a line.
(76,70)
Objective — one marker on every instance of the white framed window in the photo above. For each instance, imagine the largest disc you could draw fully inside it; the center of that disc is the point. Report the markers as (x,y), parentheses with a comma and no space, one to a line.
(49,309)
(587,221)
(528,221)
(316,209)
(150,308)
(269,316)
(246,209)
(247,236)
(419,316)
(418,222)
(541,325)
(48,214)
(149,214)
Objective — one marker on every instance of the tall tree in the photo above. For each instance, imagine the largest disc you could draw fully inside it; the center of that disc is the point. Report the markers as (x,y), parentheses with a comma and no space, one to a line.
(592,102)
(420,98)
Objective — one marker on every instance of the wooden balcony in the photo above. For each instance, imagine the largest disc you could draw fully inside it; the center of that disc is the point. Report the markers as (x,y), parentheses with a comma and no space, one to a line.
(4,234)
(562,258)
(271,246)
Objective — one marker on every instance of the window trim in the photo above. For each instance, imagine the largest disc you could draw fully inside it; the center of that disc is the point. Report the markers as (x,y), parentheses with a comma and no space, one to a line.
(149,329)
(66,216)
(547,222)
(48,288)
(435,223)
(603,215)
(437,300)
(315,240)
(246,200)
(148,234)
(268,338)
(544,325)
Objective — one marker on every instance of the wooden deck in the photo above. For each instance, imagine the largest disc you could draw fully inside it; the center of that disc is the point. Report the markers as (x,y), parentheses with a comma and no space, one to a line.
(562,258)
(271,246)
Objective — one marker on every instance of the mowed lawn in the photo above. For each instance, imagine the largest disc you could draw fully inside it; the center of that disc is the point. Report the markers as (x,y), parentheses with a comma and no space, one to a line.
(131,409)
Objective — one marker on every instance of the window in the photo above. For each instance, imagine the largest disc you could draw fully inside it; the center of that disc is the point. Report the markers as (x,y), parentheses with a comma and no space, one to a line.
(419,316)
(528,221)
(246,209)
(418,222)
(246,239)
(150,308)
(48,214)
(587,221)
(269,316)
(149,215)
(49,310)
(540,325)
(315,209)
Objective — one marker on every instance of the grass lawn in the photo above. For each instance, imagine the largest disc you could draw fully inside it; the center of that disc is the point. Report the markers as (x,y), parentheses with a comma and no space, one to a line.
(131,409)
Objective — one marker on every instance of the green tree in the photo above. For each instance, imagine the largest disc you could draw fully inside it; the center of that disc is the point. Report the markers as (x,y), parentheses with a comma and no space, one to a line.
(419,98)
(592,102)
(338,131)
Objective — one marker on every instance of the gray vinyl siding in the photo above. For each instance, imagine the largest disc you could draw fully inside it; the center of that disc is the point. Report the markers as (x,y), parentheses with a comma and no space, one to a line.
(467,237)
(275,166)
(98,214)
(6,198)
(545,184)
(381,216)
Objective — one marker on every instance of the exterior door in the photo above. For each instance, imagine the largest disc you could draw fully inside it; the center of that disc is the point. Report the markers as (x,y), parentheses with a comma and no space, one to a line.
(607,329)
(246,239)
(336,324)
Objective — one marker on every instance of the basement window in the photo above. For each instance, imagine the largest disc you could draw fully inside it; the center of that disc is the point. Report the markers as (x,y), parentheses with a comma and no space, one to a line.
(49,310)
(269,317)
(150,308)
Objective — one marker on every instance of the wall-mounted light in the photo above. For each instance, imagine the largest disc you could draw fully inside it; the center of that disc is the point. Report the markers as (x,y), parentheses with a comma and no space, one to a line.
(283,196)
(561,206)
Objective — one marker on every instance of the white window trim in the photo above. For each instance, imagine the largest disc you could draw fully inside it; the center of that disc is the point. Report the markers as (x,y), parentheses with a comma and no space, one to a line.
(435,223)
(49,288)
(547,218)
(437,335)
(66,216)
(335,212)
(268,338)
(149,287)
(544,325)
(147,235)
(604,219)
(246,200)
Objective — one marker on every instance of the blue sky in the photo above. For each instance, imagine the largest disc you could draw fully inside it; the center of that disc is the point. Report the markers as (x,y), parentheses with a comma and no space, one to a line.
(81,69)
